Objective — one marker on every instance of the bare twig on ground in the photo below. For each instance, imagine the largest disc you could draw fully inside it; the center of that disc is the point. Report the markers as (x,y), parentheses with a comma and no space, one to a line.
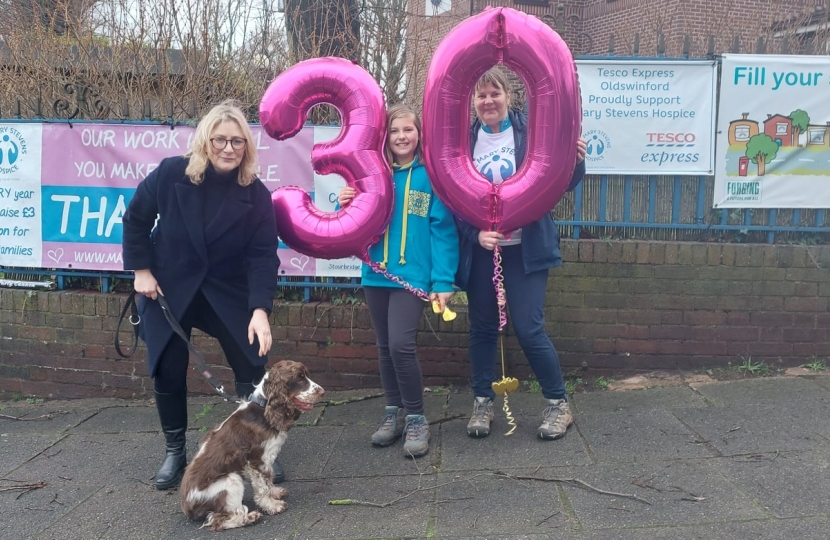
(20,485)
(575,481)
(47,416)
(572,481)
(335,403)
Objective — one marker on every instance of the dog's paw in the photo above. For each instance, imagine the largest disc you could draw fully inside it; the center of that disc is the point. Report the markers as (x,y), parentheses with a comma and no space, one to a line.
(251,517)
(272,506)
(278,492)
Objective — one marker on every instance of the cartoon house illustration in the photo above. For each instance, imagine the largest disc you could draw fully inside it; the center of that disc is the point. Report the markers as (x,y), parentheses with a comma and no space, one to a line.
(740,131)
(818,135)
(780,129)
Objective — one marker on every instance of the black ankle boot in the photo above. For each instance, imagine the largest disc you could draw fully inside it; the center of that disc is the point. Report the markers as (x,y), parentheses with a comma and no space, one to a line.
(279,473)
(244,389)
(172,409)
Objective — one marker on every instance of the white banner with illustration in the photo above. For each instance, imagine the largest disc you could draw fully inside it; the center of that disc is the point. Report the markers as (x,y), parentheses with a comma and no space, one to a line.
(648,117)
(773,132)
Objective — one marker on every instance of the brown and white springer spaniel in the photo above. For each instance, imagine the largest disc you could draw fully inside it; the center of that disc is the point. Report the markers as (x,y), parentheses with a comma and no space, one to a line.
(247,443)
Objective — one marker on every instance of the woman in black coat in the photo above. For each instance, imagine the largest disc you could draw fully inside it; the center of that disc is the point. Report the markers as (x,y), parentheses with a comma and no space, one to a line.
(212,253)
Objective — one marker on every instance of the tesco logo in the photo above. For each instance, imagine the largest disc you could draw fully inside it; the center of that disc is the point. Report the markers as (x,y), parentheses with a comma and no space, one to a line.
(671,137)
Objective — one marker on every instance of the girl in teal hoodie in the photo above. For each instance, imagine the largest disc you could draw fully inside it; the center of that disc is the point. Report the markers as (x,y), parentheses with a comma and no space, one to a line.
(421,248)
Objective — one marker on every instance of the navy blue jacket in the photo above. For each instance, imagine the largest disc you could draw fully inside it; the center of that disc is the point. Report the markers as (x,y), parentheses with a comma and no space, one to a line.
(230,257)
(540,239)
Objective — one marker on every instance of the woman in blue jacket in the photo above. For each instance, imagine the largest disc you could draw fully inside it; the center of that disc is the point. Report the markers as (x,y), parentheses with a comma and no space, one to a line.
(420,247)
(499,144)
(200,230)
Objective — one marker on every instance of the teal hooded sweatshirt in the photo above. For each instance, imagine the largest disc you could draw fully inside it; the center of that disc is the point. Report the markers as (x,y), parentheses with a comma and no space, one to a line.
(421,244)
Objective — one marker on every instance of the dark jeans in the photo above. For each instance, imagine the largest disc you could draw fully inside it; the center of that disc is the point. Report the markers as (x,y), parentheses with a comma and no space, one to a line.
(171,375)
(396,314)
(526,301)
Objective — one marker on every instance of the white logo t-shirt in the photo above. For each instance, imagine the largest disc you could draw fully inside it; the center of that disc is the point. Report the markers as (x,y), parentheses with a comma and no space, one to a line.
(495,157)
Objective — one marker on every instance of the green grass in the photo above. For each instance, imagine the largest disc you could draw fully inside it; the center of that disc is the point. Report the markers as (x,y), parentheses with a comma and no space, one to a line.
(201,414)
(532,386)
(571,385)
(749,367)
(815,365)
(34,401)
(603,382)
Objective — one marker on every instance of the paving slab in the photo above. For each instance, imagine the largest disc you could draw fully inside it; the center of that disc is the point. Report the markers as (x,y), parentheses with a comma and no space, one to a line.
(730,460)
(409,517)
(354,455)
(763,391)
(680,492)
(474,503)
(753,428)
(47,418)
(788,484)
(634,400)
(75,469)
(639,435)
(17,449)
(767,529)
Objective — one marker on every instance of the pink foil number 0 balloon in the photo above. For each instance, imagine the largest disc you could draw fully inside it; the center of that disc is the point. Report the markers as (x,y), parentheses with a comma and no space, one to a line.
(544,62)
(356,154)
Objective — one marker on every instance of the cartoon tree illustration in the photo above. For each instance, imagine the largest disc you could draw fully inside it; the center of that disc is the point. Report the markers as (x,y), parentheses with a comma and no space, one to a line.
(800,122)
(761,149)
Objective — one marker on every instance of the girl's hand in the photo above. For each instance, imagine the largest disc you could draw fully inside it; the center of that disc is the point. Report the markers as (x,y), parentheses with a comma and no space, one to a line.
(346,195)
(260,328)
(442,298)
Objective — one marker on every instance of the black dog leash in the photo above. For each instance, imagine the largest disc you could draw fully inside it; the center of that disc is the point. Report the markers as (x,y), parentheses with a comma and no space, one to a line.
(134,319)
(174,324)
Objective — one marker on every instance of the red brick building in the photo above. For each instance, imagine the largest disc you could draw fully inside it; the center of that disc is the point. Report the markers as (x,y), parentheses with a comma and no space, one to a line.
(635,27)
(671,28)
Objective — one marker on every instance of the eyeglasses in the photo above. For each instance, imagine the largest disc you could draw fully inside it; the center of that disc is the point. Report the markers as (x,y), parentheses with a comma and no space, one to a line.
(219,143)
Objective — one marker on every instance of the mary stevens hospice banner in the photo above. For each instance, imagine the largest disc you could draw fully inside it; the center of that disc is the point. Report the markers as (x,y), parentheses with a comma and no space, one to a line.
(773,132)
(651,117)
(63,191)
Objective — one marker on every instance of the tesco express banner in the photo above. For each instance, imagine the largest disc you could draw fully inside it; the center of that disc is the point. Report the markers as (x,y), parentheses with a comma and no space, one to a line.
(64,190)
(652,117)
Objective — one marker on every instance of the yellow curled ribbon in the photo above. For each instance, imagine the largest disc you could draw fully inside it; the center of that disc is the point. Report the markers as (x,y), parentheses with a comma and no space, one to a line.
(502,388)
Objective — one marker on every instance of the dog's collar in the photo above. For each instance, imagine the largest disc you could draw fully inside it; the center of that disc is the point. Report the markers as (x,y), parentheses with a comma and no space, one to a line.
(259,400)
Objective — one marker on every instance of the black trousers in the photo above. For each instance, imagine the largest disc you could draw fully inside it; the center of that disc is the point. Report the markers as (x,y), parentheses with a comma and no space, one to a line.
(171,375)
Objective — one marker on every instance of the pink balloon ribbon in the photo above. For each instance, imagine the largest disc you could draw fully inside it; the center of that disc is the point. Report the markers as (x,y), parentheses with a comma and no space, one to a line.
(498,283)
(420,293)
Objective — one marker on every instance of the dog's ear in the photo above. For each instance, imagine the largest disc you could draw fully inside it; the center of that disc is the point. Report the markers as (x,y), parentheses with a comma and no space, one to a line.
(280,410)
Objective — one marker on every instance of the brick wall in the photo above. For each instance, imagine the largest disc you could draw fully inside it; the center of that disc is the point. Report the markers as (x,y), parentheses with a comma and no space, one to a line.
(615,307)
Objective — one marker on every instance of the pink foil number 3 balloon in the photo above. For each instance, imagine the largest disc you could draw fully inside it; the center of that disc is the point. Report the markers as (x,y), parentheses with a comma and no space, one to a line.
(543,60)
(356,154)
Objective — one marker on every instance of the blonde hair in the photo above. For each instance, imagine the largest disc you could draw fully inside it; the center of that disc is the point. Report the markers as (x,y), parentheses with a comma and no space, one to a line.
(498,78)
(400,111)
(199,152)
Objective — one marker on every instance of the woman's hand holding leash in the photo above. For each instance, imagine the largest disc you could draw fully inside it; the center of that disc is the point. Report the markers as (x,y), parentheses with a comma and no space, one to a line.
(146,284)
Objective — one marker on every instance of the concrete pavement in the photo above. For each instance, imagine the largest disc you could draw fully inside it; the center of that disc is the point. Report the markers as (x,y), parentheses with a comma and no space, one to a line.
(726,460)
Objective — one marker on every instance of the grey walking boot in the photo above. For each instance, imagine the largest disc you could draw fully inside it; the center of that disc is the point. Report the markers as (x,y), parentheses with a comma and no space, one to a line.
(416,435)
(390,428)
(555,419)
(479,424)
